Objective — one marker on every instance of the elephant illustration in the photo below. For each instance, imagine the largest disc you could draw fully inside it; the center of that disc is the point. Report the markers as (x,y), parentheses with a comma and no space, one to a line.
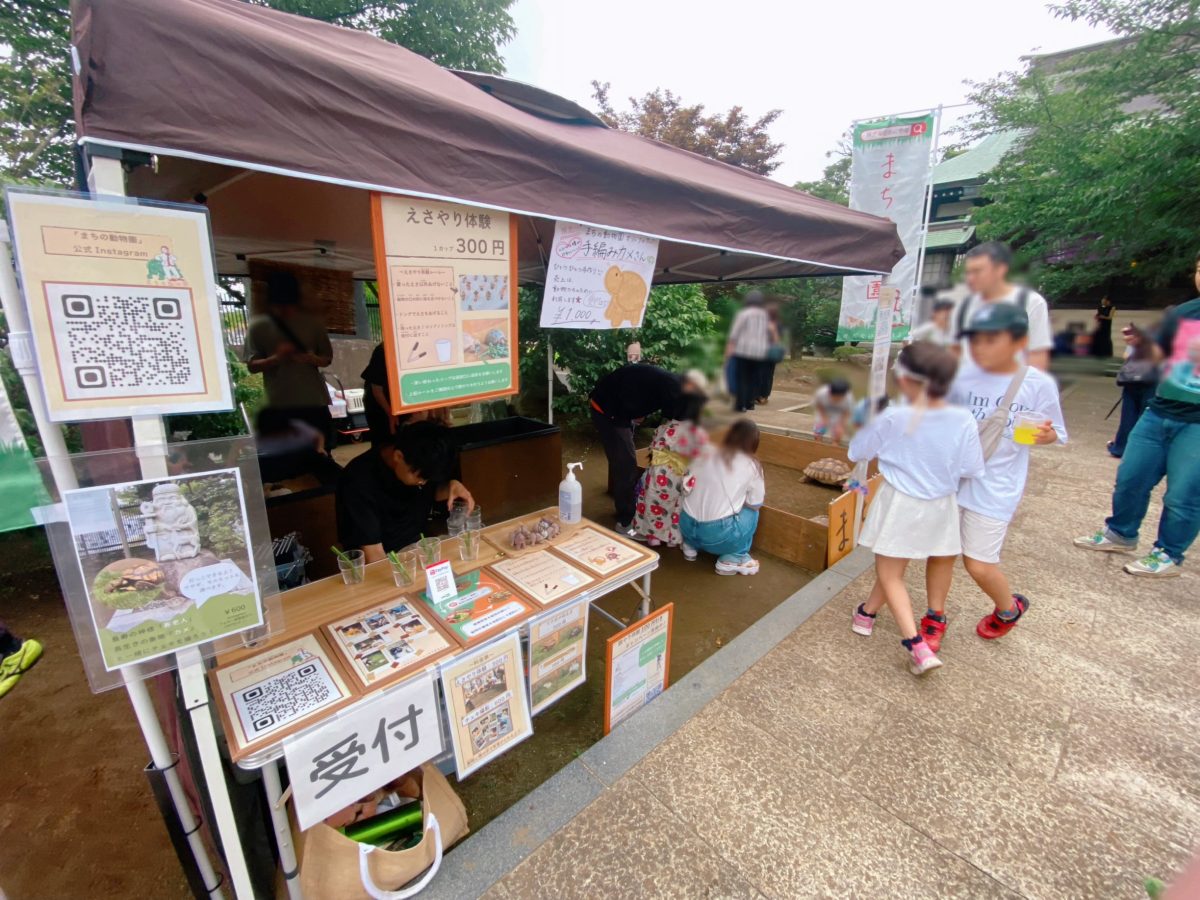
(628,292)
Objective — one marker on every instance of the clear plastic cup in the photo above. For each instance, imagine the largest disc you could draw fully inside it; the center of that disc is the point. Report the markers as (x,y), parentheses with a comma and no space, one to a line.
(1026,427)
(353,566)
(429,551)
(475,518)
(404,568)
(468,544)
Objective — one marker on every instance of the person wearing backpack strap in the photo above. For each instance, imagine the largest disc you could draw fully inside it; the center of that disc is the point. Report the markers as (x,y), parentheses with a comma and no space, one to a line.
(996,387)
(987,268)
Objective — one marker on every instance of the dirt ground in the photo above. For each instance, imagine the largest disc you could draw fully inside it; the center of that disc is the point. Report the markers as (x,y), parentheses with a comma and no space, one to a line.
(72,785)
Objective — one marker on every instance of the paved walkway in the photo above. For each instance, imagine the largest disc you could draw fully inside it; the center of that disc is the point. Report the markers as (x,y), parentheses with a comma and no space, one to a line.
(1059,762)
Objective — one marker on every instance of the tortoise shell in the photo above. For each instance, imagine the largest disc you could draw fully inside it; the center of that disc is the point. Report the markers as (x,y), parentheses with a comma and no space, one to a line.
(828,471)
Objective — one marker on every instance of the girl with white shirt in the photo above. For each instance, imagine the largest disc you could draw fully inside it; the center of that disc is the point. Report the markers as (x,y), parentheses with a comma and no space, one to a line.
(925,449)
(721,495)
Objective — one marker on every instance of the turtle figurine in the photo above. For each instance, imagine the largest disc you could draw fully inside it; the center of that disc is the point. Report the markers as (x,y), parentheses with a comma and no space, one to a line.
(828,471)
(141,577)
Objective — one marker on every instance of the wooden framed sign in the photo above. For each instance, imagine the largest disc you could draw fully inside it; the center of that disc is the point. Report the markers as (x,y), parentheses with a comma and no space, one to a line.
(637,666)
(447,278)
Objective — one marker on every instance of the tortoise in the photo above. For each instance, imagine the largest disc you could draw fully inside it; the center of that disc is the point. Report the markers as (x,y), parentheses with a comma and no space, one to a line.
(829,471)
(141,577)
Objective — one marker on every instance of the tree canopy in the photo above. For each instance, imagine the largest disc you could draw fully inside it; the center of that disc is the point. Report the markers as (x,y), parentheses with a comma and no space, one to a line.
(1103,181)
(731,137)
(36,129)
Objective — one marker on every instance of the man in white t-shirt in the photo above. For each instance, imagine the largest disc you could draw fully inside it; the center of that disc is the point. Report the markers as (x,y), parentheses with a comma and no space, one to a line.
(997,335)
(987,276)
(938,329)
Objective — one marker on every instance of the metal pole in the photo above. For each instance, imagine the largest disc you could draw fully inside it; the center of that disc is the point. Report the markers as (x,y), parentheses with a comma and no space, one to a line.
(933,149)
(283,830)
(645,608)
(63,474)
(549,379)
(106,177)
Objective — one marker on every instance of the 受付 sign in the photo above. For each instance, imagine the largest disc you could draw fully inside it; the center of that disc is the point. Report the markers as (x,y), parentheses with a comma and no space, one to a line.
(348,757)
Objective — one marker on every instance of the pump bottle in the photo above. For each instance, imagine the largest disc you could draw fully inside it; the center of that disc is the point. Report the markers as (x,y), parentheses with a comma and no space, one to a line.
(570,497)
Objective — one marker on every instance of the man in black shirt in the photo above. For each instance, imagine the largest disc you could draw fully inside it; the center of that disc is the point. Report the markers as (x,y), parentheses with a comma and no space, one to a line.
(385,495)
(619,401)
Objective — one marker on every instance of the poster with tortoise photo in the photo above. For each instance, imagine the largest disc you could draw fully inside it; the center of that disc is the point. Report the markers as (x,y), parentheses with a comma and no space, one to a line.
(165,562)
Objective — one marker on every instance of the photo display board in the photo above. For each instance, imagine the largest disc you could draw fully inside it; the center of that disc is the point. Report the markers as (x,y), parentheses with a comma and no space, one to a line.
(486,702)
(277,691)
(388,641)
(557,654)
(638,663)
(165,562)
(447,299)
(123,306)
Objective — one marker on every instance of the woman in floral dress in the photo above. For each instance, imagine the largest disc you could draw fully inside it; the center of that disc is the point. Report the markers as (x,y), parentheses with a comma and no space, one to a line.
(676,443)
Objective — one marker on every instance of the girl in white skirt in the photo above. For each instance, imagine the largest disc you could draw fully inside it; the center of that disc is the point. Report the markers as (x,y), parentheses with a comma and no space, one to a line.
(924,449)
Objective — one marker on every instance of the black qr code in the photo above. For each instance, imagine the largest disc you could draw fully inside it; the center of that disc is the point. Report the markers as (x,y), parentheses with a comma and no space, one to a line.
(284,698)
(116,341)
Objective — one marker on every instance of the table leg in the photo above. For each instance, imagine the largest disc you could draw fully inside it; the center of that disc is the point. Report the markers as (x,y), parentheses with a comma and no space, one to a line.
(283,830)
(645,611)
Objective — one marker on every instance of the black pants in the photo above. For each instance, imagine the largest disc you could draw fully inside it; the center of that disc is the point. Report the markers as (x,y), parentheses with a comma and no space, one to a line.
(749,382)
(617,440)
(1134,398)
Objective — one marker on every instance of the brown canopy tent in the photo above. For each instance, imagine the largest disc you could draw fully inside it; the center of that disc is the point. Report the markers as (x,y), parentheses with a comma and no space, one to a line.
(282,124)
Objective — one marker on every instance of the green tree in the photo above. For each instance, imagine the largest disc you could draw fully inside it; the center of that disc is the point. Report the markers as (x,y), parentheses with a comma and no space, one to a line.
(36,129)
(1103,182)
(731,137)
(678,333)
(834,183)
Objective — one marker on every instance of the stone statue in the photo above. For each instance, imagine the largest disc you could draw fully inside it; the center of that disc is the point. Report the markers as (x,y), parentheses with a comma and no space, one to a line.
(170,524)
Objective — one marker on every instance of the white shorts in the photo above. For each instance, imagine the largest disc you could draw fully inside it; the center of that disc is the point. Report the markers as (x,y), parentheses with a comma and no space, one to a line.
(982,536)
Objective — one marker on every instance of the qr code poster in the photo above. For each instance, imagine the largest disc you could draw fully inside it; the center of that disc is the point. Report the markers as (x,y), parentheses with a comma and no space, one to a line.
(123,306)
(272,693)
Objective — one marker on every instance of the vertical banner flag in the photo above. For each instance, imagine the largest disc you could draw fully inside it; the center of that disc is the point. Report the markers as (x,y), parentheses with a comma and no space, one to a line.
(889,177)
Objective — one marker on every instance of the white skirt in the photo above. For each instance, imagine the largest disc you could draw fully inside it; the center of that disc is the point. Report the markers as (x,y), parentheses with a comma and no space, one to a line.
(908,528)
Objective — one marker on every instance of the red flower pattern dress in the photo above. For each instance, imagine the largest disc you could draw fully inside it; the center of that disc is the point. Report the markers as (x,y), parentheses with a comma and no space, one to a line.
(660,492)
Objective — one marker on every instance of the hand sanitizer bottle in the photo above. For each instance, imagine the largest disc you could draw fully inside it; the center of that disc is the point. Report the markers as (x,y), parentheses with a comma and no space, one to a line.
(570,497)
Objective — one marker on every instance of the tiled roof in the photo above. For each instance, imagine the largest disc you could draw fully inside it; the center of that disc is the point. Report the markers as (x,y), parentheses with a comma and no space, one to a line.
(976,162)
(949,238)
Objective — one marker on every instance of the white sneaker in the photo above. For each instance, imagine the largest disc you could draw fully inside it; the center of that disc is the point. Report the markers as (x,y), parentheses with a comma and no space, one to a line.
(745,566)
(689,553)
(1156,564)
(1102,542)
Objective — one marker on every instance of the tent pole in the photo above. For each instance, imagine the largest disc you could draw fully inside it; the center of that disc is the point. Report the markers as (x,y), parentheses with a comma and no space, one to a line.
(549,380)
(106,177)
(933,149)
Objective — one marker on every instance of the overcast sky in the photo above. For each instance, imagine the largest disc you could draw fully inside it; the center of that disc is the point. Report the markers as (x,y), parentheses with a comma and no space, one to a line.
(824,63)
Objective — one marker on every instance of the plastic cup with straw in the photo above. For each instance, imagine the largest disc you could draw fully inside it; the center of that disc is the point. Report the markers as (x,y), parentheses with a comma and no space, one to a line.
(404,567)
(352,564)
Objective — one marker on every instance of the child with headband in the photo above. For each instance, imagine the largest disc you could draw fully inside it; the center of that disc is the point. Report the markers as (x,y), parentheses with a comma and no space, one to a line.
(925,448)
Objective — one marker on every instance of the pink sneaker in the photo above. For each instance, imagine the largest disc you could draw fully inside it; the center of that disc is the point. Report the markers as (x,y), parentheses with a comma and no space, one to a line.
(861,623)
(923,659)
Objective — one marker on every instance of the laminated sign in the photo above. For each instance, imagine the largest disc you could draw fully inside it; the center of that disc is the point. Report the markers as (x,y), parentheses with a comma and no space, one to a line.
(597,278)
(123,306)
(447,300)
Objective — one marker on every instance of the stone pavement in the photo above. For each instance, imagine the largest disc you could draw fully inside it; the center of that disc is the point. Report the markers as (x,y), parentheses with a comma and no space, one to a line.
(1058,762)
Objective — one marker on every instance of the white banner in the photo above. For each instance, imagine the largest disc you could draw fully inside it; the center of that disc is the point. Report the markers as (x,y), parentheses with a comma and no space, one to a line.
(597,279)
(889,177)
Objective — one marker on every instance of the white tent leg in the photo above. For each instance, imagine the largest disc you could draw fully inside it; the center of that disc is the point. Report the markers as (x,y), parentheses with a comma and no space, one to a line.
(283,830)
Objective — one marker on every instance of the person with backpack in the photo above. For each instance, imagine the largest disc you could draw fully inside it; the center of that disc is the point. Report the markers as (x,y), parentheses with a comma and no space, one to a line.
(986,269)
(289,348)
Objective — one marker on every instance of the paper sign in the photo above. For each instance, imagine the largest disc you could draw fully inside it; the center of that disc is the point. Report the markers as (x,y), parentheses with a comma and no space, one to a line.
(597,278)
(486,702)
(150,563)
(557,654)
(638,663)
(448,303)
(123,306)
(377,741)
(543,576)
(599,551)
(439,582)
(277,689)
(482,606)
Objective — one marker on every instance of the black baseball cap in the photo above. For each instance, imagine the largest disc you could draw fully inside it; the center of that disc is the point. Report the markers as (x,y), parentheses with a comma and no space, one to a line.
(993,317)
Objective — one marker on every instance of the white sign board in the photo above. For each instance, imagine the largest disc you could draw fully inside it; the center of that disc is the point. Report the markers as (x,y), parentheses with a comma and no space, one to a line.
(597,279)
(889,176)
(353,754)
